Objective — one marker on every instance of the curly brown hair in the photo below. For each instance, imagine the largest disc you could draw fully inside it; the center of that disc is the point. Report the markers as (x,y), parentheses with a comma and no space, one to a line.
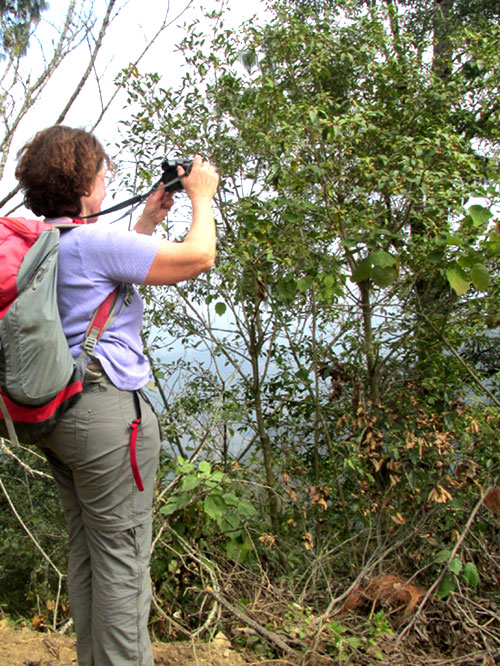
(57,167)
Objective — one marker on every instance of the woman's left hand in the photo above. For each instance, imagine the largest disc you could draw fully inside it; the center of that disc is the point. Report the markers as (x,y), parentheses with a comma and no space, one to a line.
(157,206)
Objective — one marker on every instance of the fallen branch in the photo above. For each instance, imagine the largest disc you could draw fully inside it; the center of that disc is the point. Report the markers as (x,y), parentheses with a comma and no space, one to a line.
(270,636)
(214,591)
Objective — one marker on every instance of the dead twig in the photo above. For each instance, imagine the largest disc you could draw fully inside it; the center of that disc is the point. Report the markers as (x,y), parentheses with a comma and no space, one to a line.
(215,592)
(32,537)
(444,569)
(27,468)
(269,636)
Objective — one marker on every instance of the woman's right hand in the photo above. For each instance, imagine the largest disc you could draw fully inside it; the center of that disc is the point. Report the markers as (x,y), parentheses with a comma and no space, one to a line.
(178,261)
(202,181)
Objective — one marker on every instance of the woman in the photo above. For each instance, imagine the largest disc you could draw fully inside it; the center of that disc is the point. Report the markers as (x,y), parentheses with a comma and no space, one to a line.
(62,173)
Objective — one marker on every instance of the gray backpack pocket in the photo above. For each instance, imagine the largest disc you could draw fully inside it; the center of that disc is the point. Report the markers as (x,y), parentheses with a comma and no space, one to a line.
(37,362)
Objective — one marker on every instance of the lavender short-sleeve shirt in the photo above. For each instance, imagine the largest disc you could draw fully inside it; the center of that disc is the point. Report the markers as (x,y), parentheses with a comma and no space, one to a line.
(93,259)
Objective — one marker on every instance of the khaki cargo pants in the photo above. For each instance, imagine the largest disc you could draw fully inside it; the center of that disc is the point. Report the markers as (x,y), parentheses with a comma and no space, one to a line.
(108,520)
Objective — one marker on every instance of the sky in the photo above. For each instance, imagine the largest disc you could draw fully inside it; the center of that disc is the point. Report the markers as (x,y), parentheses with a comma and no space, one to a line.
(129,33)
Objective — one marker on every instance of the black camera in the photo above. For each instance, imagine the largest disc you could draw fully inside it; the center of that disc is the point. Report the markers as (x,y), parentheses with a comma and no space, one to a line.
(169,168)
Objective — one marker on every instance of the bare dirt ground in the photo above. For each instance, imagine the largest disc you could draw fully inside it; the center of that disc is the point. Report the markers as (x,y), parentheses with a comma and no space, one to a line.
(25,647)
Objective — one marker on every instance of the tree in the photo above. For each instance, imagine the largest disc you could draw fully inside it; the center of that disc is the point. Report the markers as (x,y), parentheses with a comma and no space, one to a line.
(347,159)
(16,21)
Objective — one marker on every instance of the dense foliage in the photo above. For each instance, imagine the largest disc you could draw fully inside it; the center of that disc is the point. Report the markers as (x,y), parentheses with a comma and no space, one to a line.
(349,324)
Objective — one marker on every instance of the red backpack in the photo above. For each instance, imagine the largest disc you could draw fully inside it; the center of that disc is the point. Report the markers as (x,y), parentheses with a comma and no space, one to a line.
(39,379)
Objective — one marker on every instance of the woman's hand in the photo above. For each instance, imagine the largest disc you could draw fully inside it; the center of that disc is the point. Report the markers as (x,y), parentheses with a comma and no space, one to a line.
(175,262)
(202,181)
(157,206)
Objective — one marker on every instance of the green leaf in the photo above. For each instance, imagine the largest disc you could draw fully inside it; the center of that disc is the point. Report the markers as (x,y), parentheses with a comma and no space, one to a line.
(362,271)
(383,259)
(442,556)
(182,500)
(205,467)
(214,506)
(184,466)
(328,279)
(313,115)
(246,508)
(480,215)
(173,565)
(470,574)
(384,277)
(458,279)
(169,508)
(447,586)
(292,217)
(304,284)
(466,262)
(232,522)
(435,256)
(189,482)
(494,244)
(220,308)
(480,276)
(238,551)
(287,287)
(455,565)
(230,499)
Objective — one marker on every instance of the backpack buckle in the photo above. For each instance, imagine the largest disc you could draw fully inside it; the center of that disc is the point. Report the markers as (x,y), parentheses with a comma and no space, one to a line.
(129,295)
(91,340)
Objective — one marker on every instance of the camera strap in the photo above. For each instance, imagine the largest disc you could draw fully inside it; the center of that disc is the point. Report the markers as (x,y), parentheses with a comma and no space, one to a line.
(136,200)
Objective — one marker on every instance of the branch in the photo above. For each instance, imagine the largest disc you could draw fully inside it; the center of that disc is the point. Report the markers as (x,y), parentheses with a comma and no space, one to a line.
(192,458)
(25,528)
(444,569)
(163,26)
(466,367)
(90,66)
(270,636)
(8,197)
(27,468)
(214,591)
(161,391)
(33,92)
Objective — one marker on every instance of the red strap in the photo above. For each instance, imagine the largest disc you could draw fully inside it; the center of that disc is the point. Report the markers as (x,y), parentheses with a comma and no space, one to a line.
(26,414)
(134,426)
(103,312)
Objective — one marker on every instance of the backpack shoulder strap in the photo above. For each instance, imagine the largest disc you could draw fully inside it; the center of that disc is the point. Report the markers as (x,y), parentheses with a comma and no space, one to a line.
(99,322)
(105,315)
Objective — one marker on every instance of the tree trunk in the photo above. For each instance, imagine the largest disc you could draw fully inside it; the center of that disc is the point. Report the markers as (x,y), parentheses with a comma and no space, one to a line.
(368,343)
(443,49)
